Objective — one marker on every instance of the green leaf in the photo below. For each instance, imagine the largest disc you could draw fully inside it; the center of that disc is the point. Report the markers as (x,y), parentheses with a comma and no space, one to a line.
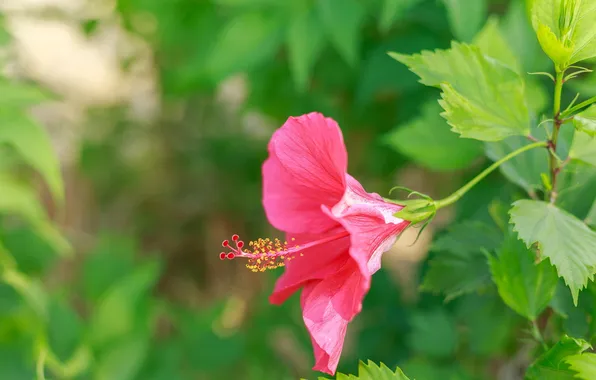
(460,266)
(33,144)
(566,30)
(14,94)
(108,263)
(433,333)
(584,364)
(124,360)
(577,188)
(372,371)
(18,199)
(466,17)
(489,324)
(522,40)
(564,240)
(342,20)
(428,141)
(583,148)
(525,286)
(591,218)
(65,330)
(523,170)
(247,40)
(482,98)
(305,40)
(552,364)
(117,313)
(393,10)
(492,43)
(585,121)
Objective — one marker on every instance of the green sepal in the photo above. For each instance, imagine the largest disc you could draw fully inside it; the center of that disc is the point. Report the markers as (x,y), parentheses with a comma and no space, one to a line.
(416,210)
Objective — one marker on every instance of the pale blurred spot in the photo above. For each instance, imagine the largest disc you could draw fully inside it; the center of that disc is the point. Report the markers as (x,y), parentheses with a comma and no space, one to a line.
(289,349)
(232,92)
(231,318)
(258,126)
(67,6)
(58,55)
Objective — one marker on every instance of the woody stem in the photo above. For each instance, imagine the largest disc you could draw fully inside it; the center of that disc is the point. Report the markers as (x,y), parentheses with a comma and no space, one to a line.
(465,188)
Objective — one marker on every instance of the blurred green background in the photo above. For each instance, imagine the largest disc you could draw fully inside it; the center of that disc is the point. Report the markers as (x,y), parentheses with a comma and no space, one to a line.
(160,112)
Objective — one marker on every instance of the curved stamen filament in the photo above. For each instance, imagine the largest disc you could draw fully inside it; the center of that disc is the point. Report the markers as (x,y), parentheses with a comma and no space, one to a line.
(266,254)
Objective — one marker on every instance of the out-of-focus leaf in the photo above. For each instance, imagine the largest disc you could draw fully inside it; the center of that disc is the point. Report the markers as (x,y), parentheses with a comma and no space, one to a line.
(32,254)
(372,371)
(342,20)
(30,289)
(523,170)
(14,94)
(110,261)
(591,218)
(584,364)
(16,362)
(380,74)
(460,266)
(64,330)
(393,10)
(565,240)
(123,360)
(305,40)
(575,320)
(584,148)
(466,17)
(420,368)
(525,286)
(482,98)
(566,30)
(576,186)
(585,121)
(33,144)
(428,141)
(247,40)
(552,364)
(117,313)
(520,37)
(433,333)
(17,198)
(489,323)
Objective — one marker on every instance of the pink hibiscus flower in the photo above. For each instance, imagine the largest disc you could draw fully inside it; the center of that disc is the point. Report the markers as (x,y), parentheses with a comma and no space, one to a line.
(338,231)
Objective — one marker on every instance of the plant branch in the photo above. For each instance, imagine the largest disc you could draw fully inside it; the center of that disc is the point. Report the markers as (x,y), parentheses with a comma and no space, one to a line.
(552,143)
(465,188)
(578,107)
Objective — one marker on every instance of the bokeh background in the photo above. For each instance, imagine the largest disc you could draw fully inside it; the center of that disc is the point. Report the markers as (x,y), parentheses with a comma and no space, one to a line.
(160,112)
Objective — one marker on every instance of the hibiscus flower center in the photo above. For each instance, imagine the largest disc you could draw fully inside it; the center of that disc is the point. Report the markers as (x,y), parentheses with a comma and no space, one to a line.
(264,254)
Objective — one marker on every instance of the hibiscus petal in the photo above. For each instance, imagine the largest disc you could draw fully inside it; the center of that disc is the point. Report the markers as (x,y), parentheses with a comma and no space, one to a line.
(317,263)
(369,220)
(305,169)
(327,307)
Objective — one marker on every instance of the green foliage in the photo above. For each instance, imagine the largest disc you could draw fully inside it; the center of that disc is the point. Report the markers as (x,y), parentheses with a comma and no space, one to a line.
(460,266)
(584,364)
(433,333)
(585,121)
(552,364)
(465,17)
(566,30)
(482,98)
(524,285)
(427,141)
(584,148)
(372,371)
(563,239)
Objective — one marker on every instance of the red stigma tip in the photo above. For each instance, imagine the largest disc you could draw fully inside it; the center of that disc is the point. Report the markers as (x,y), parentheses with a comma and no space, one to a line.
(235,237)
(240,244)
(225,243)
(222,256)
(231,256)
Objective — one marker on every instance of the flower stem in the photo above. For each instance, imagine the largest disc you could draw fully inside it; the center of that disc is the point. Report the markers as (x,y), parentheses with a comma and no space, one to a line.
(465,188)
(538,335)
(578,107)
(552,163)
